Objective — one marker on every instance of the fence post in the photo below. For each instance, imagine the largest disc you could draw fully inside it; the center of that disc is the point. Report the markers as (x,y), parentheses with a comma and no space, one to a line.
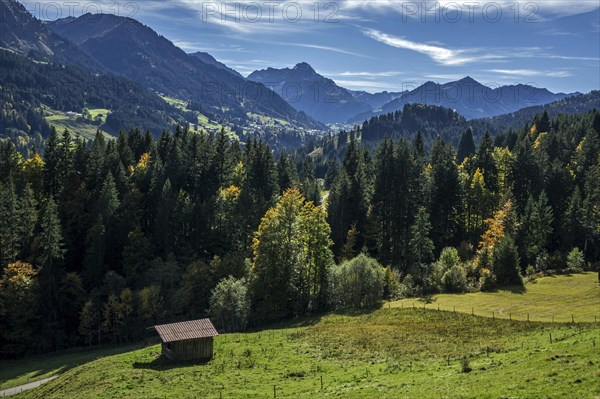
(572,319)
(274,391)
(550,337)
(321,383)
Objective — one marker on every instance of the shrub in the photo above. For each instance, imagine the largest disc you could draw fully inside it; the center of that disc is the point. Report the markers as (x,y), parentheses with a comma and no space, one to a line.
(357,283)
(487,281)
(448,259)
(392,284)
(465,251)
(530,273)
(455,279)
(575,261)
(229,304)
(408,288)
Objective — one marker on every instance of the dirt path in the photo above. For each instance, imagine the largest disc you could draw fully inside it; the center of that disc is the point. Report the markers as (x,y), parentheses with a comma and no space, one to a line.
(25,387)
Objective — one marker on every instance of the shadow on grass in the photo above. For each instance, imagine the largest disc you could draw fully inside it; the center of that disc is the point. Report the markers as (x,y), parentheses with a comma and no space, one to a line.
(161,363)
(35,367)
(514,289)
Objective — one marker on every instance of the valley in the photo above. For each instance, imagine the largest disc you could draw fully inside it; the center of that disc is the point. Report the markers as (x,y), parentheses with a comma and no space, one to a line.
(343,200)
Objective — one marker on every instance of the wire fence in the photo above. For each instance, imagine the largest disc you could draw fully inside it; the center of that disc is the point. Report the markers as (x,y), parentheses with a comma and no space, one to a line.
(519,315)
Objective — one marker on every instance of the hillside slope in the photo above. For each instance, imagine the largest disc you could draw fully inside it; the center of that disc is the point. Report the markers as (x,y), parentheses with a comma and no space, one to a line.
(28,36)
(386,354)
(127,47)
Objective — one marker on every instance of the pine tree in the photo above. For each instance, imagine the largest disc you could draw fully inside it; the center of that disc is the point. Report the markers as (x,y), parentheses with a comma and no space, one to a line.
(573,224)
(421,246)
(538,226)
(466,145)
(10,237)
(506,263)
(348,201)
(50,263)
(446,196)
(525,175)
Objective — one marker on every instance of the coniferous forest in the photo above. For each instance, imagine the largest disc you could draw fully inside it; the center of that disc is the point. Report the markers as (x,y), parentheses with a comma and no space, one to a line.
(102,239)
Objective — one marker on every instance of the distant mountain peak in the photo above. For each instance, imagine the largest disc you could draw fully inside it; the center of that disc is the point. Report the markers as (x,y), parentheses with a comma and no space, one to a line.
(467,80)
(304,67)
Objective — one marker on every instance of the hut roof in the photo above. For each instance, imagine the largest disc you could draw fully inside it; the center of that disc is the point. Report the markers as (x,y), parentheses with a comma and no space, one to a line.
(186,330)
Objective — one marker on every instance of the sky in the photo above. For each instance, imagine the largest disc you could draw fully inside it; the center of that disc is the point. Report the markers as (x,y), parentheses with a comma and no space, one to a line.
(377,45)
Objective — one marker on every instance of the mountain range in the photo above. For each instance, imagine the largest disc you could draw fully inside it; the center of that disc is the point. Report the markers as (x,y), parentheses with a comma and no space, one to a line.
(125,46)
(198,87)
(472,99)
(307,91)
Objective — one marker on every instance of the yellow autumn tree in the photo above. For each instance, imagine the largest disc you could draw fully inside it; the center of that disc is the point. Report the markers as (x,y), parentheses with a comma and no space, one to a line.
(504,222)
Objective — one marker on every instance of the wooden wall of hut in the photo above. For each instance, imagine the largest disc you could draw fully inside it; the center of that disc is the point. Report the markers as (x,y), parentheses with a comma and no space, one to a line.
(192,349)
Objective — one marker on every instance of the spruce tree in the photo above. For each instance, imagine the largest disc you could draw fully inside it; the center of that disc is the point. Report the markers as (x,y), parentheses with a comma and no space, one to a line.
(50,259)
(466,145)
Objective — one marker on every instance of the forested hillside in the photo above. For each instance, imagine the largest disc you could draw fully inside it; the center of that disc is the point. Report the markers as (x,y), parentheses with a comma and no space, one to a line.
(100,241)
(27,86)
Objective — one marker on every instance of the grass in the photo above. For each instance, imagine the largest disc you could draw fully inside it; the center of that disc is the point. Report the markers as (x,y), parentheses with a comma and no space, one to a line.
(267,120)
(555,298)
(17,372)
(387,353)
(99,111)
(60,121)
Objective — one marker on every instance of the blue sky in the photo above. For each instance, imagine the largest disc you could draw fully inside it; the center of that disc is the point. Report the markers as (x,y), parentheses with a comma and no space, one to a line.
(383,44)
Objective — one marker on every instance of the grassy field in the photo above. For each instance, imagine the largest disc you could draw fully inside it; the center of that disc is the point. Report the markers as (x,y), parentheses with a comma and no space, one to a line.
(99,111)
(18,372)
(389,353)
(60,121)
(546,299)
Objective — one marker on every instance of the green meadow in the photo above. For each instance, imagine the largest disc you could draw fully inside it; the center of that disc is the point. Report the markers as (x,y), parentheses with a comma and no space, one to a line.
(394,352)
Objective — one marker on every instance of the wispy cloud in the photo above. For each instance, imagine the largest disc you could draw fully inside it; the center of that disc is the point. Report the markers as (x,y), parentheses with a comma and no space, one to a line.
(441,55)
(366,74)
(540,10)
(367,85)
(326,48)
(531,72)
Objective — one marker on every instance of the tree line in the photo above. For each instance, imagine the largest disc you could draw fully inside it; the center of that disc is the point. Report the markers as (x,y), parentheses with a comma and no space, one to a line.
(100,240)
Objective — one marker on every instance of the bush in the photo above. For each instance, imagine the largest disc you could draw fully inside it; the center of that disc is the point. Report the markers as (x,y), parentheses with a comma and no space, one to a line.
(448,259)
(465,251)
(229,304)
(575,261)
(530,273)
(357,283)
(392,284)
(487,281)
(408,288)
(455,280)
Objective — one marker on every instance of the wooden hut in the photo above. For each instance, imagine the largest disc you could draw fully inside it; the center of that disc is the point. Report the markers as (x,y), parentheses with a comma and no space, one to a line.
(188,340)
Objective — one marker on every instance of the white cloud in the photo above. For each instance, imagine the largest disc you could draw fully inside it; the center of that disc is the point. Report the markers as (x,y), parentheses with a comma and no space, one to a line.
(366,85)
(531,72)
(441,55)
(365,74)
(419,9)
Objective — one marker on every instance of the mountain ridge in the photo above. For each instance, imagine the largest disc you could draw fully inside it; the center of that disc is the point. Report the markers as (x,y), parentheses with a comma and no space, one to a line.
(127,47)
(307,91)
